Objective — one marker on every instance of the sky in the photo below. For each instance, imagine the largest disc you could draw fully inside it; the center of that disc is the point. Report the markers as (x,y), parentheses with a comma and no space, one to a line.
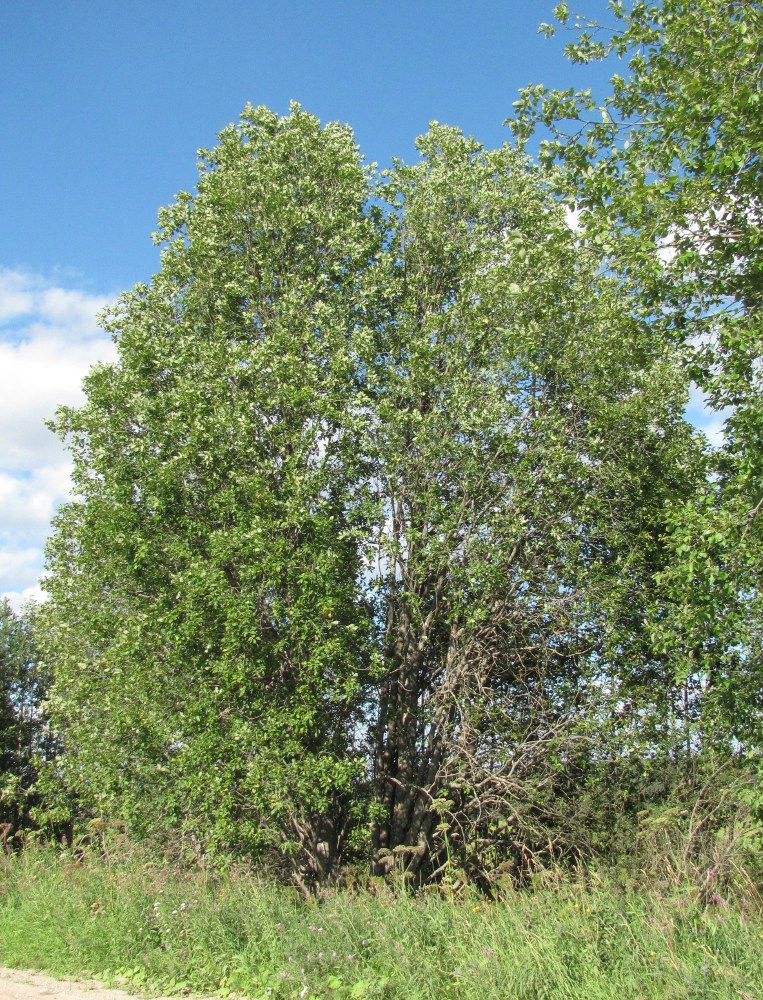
(103,105)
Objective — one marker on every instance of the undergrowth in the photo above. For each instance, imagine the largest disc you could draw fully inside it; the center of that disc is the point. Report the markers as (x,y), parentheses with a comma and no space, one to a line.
(127,918)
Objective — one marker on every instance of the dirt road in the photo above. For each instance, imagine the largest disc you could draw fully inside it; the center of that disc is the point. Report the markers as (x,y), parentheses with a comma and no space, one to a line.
(16,985)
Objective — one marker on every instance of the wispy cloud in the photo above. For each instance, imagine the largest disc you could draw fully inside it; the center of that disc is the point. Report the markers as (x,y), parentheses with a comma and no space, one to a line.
(49,338)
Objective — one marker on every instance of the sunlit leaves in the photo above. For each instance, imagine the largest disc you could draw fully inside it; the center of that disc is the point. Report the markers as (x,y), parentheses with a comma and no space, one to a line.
(207,622)
(669,184)
(371,503)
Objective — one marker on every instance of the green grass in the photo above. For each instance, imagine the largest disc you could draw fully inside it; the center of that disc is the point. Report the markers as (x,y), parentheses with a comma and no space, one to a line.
(162,929)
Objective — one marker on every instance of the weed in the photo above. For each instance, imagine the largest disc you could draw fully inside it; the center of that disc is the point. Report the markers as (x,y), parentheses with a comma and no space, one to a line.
(157,927)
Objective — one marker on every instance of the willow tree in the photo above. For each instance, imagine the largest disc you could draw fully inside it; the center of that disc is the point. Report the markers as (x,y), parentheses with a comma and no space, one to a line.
(529,439)
(369,509)
(207,623)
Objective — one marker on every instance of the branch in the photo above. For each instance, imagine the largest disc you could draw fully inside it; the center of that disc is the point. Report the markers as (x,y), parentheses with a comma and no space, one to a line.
(751,515)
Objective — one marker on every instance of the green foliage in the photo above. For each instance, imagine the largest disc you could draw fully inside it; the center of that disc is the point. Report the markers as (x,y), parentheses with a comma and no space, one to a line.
(128,920)
(667,174)
(25,738)
(529,441)
(709,621)
(206,619)
(376,522)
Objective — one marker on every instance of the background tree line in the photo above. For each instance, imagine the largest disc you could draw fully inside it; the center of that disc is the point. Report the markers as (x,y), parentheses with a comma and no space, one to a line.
(390,543)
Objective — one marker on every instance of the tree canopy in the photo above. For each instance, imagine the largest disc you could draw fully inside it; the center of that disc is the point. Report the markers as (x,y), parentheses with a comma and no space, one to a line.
(370,515)
(211,633)
(666,171)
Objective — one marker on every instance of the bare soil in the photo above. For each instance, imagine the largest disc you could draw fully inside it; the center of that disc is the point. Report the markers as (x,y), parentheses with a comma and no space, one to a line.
(16,985)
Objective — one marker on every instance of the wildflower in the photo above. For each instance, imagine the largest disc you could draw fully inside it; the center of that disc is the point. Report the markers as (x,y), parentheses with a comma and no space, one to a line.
(349,958)
(588,909)
(487,951)
(476,909)
(577,906)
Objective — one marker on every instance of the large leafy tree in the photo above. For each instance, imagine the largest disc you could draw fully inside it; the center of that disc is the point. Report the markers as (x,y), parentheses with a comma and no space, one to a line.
(206,617)
(667,171)
(529,439)
(369,509)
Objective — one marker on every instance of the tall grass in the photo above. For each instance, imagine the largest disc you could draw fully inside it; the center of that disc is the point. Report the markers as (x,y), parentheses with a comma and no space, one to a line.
(126,917)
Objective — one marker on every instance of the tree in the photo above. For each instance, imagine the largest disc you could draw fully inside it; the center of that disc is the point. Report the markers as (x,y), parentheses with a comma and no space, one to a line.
(668,175)
(369,510)
(528,439)
(25,740)
(207,620)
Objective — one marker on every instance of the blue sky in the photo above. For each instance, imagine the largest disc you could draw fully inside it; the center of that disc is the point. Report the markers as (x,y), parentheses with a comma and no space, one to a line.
(103,105)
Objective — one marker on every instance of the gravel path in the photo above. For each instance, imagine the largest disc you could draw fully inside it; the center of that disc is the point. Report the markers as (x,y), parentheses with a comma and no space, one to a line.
(15,985)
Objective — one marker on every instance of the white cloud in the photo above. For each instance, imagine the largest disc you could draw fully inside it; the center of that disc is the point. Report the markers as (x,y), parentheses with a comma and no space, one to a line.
(19,565)
(18,598)
(16,298)
(27,500)
(572,218)
(49,339)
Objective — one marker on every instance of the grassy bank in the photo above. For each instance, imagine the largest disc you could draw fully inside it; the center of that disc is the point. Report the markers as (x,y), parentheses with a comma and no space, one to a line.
(163,929)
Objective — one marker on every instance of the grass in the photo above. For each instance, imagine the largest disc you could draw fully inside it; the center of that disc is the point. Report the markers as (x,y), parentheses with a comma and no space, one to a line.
(138,921)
